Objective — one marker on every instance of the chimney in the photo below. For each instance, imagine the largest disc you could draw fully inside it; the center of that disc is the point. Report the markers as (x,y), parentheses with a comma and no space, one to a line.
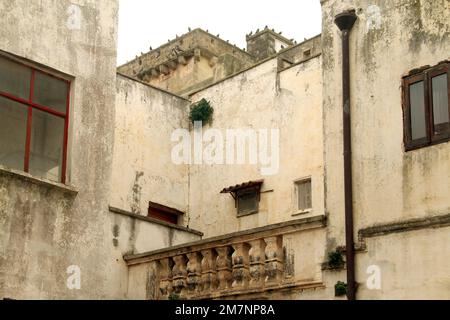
(266,43)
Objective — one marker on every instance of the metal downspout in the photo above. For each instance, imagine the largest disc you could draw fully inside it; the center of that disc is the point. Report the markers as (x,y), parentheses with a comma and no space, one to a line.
(345,22)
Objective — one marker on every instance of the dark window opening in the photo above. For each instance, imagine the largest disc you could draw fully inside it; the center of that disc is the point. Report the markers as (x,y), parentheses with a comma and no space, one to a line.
(246,196)
(34,119)
(247,202)
(426,107)
(307,53)
(163,213)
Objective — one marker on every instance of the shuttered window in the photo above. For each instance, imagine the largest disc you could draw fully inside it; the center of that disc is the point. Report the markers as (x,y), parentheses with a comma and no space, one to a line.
(303,192)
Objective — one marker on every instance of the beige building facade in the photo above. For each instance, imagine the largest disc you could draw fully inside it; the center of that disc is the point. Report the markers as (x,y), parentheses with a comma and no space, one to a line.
(138,202)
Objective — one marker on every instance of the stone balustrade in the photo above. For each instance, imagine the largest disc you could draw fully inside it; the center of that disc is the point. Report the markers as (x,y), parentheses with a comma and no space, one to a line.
(235,264)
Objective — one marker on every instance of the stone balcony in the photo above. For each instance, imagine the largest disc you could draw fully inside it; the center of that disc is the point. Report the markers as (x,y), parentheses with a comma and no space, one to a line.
(244,264)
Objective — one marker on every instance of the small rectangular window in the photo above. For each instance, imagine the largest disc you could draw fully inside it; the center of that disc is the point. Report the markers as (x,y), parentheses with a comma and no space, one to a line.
(303,193)
(427,107)
(163,213)
(247,202)
(246,196)
(33,120)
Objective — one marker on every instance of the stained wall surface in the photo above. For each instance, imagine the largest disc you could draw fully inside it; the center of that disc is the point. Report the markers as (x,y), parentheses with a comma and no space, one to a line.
(391,185)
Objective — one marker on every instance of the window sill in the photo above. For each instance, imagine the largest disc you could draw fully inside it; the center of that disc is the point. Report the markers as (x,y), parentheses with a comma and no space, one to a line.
(245,214)
(4,171)
(409,148)
(302,212)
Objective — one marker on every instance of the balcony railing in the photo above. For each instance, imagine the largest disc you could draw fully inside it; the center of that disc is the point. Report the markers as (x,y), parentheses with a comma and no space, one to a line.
(242,263)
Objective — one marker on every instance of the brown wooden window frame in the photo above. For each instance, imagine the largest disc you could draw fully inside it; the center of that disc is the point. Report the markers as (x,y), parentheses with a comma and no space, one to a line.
(163,213)
(32,105)
(433,137)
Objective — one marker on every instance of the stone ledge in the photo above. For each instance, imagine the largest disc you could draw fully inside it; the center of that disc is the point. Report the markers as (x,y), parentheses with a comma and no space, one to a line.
(405,226)
(153,87)
(304,285)
(231,238)
(152,220)
(300,62)
(38,181)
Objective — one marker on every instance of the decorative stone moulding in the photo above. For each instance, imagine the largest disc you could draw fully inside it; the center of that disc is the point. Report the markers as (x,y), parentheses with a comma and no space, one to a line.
(242,263)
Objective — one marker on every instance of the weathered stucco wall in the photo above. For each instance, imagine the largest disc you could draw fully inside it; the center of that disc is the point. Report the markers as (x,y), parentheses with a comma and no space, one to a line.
(44,231)
(143,170)
(413,265)
(390,185)
(121,156)
(262,98)
(134,236)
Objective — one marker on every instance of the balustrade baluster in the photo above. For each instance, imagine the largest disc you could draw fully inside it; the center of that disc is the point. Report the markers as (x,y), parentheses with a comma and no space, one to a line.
(209,273)
(274,260)
(257,262)
(224,267)
(240,266)
(179,274)
(193,272)
(165,278)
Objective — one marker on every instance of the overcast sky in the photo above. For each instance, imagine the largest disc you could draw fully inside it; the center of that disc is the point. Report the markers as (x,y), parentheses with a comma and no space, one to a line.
(145,23)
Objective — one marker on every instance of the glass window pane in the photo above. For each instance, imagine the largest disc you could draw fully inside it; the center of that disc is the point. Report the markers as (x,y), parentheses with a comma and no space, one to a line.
(15,79)
(417,102)
(47,138)
(50,92)
(440,101)
(247,202)
(304,195)
(13,131)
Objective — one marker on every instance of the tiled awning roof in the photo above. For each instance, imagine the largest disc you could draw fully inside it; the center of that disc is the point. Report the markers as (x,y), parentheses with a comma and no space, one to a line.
(245,185)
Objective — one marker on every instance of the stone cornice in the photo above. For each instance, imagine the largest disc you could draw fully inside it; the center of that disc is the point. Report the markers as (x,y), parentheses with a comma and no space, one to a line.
(180,38)
(405,226)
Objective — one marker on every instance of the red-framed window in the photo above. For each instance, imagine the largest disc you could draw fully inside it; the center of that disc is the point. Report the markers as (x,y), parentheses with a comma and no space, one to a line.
(426,107)
(34,120)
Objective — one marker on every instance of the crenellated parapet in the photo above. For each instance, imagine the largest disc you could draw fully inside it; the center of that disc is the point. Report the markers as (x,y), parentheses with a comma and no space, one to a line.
(188,60)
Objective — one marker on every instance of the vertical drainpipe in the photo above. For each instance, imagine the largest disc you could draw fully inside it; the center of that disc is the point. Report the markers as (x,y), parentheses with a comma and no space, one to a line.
(345,22)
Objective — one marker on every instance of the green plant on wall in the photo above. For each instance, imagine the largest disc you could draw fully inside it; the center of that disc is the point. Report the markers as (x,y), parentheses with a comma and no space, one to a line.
(335,259)
(174,296)
(340,289)
(201,111)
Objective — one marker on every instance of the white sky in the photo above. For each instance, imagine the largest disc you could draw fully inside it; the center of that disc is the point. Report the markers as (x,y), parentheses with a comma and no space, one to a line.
(145,23)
